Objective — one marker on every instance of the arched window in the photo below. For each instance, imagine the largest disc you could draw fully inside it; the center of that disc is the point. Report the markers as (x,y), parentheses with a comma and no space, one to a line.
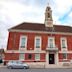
(48,8)
(48,15)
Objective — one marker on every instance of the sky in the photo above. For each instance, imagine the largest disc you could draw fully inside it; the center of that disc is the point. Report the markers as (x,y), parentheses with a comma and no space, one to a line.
(14,12)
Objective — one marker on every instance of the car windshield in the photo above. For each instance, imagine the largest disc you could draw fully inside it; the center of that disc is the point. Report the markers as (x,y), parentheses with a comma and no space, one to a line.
(17,62)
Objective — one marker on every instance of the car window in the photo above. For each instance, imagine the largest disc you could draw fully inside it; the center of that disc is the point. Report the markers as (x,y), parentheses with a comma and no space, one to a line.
(16,62)
(20,62)
(11,61)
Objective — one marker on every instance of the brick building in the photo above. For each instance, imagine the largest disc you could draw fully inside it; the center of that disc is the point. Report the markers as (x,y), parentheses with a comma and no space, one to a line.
(45,43)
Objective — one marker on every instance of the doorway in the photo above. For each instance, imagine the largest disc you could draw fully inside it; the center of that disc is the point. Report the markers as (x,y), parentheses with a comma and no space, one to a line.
(51,59)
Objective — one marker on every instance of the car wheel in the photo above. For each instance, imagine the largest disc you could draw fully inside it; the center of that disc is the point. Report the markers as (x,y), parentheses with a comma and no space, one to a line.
(24,67)
(10,67)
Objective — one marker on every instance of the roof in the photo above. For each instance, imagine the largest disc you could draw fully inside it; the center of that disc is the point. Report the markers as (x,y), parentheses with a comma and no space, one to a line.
(42,27)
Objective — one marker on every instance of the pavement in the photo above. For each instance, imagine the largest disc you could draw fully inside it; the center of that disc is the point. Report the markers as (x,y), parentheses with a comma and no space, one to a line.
(35,70)
(2,65)
(64,67)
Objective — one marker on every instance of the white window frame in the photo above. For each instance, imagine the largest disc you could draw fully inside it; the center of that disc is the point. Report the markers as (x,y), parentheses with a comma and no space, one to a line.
(37,57)
(64,38)
(53,41)
(66,56)
(20,55)
(37,37)
(25,42)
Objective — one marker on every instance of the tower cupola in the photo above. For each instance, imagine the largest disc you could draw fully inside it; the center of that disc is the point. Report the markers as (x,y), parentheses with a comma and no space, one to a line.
(48,17)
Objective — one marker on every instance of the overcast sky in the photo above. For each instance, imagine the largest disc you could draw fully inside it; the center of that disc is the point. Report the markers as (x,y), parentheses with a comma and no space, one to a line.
(13,12)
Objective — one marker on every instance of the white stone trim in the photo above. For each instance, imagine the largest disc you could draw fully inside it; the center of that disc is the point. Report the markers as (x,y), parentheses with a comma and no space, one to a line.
(37,57)
(23,36)
(32,51)
(56,58)
(53,38)
(20,56)
(37,49)
(26,60)
(66,56)
(63,38)
(47,58)
(31,31)
(65,51)
(24,51)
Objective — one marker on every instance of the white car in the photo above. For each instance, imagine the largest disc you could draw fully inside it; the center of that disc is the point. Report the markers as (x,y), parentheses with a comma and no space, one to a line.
(17,64)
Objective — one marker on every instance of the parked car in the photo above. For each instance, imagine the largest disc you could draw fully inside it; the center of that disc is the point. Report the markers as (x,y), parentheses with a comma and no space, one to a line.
(17,64)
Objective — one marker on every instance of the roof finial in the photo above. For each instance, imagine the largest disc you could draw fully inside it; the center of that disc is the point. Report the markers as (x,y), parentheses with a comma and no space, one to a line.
(48,2)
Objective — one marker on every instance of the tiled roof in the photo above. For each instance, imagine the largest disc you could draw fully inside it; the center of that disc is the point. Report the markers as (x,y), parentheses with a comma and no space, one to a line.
(42,27)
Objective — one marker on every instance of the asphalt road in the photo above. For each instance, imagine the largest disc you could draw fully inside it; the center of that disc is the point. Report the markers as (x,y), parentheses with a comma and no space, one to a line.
(35,70)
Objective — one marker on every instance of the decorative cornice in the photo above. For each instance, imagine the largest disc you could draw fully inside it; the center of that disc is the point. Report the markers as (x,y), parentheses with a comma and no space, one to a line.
(31,31)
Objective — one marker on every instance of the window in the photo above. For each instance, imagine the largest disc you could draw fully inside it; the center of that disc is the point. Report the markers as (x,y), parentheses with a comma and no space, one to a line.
(21,56)
(37,42)
(48,8)
(48,15)
(51,43)
(30,56)
(37,57)
(63,43)
(64,55)
(23,42)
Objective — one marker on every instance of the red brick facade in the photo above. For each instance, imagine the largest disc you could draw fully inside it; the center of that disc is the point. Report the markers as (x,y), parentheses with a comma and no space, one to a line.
(30,41)
(30,44)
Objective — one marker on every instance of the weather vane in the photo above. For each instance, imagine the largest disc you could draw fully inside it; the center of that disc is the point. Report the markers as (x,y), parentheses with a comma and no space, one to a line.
(48,2)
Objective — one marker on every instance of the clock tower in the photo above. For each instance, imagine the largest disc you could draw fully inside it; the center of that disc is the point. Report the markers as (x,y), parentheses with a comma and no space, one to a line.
(48,17)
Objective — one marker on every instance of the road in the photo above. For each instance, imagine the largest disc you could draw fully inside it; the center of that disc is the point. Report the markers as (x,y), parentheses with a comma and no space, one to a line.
(34,70)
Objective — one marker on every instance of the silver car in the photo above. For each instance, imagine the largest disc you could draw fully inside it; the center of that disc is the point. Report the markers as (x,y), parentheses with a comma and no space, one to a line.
(17,64)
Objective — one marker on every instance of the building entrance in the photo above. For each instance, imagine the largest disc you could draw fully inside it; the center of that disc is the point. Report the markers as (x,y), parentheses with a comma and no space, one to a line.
(51,59)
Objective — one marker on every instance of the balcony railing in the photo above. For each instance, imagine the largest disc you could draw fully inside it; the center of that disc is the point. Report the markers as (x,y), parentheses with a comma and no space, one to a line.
(52,48)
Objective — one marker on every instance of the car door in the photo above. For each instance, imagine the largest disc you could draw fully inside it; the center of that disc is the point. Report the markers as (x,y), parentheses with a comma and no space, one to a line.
(14,65)
(17,65)
(20,64)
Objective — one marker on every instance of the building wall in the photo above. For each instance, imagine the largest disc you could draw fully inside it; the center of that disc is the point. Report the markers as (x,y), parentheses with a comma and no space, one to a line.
(15,56)
(14,40)
(11,56)
(69,57)
(69,42)
(29,60)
